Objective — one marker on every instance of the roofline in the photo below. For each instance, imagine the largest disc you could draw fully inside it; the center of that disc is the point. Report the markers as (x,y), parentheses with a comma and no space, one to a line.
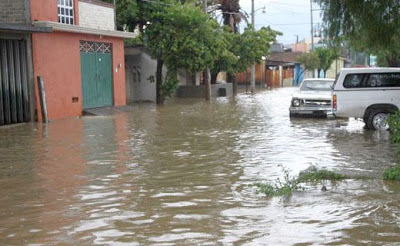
(99,3)
(58,27)
(4,27)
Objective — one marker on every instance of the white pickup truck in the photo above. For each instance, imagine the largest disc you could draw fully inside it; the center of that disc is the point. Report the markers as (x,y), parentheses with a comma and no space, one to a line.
(367,93)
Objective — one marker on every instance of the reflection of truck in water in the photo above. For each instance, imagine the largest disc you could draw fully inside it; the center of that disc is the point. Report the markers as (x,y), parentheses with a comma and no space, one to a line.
(367,93)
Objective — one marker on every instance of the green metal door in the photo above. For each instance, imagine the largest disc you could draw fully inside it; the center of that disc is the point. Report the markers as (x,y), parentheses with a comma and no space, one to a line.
(96,70)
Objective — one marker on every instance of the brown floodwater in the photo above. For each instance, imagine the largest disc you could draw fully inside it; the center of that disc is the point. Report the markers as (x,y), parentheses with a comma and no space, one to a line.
(182,174)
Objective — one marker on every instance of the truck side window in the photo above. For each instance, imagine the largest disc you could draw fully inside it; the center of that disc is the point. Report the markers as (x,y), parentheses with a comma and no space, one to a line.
(354,81)
(384,80)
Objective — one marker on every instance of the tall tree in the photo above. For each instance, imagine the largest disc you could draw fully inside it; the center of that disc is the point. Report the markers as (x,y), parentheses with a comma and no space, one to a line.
(369,26)
(239,51)
(252,45)
(231,13)
(326,57)
(182,37)
(310,61)
(232,16)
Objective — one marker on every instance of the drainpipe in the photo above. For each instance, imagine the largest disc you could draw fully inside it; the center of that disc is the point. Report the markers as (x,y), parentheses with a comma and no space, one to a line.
(43,101)
(115,15)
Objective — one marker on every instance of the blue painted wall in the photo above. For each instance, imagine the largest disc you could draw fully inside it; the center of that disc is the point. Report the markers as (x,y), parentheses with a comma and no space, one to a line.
(298,74)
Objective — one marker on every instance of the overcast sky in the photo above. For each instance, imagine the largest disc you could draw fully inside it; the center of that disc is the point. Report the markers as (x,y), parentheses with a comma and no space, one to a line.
(291,17)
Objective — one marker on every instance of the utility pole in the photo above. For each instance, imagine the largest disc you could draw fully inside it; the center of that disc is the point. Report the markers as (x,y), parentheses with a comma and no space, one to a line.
(253,68)
(312,33)
(206,77)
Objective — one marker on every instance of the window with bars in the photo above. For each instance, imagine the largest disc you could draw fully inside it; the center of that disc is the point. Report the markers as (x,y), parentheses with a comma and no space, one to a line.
(66,11)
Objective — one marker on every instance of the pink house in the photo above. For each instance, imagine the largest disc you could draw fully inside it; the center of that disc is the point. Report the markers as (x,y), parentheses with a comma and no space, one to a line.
(74,47)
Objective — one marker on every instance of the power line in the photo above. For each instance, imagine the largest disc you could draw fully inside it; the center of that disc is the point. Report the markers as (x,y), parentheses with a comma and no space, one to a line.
(292,24)
(289,13)
(288,4)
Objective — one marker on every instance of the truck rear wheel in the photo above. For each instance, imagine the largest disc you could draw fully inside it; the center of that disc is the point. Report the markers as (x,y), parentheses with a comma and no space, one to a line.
(377,120)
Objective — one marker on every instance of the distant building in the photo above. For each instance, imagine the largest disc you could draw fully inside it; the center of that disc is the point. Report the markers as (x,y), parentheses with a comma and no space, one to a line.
(305,45)
(140,71)
(282,69)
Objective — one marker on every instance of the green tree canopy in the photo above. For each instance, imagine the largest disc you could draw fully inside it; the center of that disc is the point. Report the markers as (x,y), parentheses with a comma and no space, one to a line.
(326,57)
(310,61)
(252,45)
(182,37)
(369,26)
(186,37)
(237,52)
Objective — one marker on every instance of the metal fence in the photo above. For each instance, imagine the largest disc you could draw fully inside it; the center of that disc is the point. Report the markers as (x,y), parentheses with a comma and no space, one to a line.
(14,96)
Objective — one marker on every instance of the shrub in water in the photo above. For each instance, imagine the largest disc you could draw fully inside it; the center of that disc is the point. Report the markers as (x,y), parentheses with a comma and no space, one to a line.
(280,188)
(290,184)
(394,125)
(313,174)
(392,173)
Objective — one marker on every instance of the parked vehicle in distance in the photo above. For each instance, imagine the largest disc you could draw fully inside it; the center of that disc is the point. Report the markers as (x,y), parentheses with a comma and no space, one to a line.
(367,93)
(313,98)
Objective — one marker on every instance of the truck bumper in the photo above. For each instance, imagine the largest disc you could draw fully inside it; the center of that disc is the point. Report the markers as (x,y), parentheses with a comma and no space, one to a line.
(311,111)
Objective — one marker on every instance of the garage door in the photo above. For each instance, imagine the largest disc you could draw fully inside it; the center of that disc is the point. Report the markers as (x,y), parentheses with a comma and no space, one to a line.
(96,70)
(14,96)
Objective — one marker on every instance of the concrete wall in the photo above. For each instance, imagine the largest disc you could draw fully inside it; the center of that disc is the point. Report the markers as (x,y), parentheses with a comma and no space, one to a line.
(14,11)
(139,67)
(98,15)
(287,82)
(335,68)
(189,91)
(56,57)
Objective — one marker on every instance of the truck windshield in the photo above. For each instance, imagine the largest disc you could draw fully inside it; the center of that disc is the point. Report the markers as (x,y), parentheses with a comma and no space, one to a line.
(316,85)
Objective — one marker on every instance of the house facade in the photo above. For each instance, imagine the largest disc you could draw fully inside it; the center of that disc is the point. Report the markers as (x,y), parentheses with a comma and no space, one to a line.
(75,49)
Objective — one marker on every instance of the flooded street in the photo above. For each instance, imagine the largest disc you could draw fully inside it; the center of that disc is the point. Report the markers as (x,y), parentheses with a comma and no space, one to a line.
(181,174)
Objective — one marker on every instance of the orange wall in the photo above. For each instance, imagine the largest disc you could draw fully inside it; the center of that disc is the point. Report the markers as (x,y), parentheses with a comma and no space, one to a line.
(56,57)
(301,47)
(46,10)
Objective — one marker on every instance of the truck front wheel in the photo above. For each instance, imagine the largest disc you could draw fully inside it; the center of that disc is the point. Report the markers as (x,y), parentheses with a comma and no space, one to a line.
(377,120)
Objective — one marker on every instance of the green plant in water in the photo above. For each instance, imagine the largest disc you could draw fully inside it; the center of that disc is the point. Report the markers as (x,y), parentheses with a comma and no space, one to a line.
(289,184)
(313,174)
(280,188)
(394,125)
(392,173)
(169,86)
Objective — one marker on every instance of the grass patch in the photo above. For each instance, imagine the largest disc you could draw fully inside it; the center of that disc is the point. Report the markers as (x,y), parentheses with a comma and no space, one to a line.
(289,184)
(313,174)
(280,187)
(273,189)
(392,173)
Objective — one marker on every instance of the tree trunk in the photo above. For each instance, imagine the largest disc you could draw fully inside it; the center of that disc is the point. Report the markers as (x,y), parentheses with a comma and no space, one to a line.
(393,60)
(207,84)
(232,79)
(214,78)
(141,28)
(319,73)
(159,96)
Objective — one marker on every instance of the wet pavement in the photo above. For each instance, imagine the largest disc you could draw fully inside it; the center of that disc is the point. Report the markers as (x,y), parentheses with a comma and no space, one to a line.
(181,174)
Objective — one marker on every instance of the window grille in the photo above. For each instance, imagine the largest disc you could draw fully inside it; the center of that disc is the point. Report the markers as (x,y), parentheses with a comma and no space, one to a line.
(66,11)
(94,47)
